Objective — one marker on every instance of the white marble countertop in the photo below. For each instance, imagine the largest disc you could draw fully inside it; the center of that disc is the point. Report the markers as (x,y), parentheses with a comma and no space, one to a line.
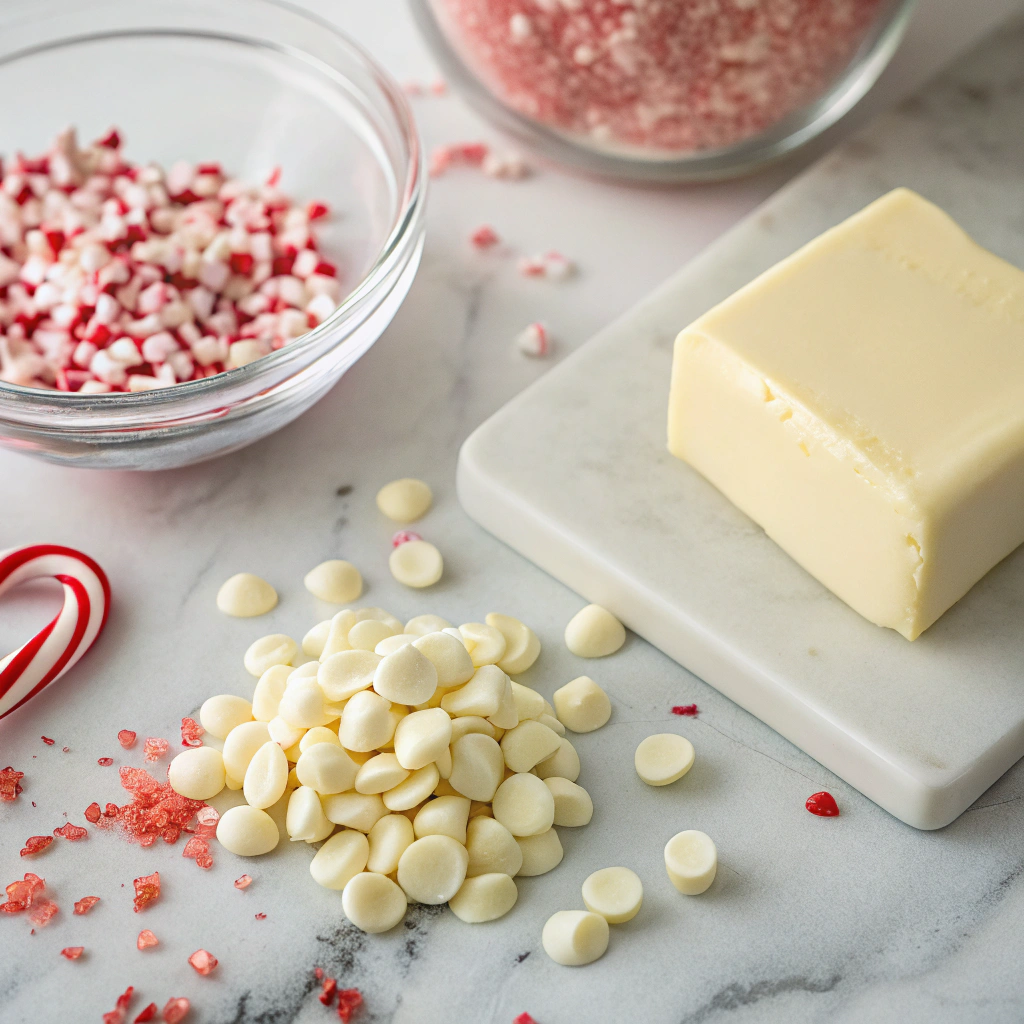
(854,919)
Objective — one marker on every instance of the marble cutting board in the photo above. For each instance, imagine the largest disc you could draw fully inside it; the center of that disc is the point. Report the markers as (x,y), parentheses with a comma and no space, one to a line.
(574,474)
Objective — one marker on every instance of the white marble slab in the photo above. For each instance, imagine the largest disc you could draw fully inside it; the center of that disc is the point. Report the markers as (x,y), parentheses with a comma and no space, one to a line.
(574,474)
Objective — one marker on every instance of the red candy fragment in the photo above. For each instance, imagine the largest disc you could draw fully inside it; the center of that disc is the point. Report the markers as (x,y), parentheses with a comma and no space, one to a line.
(202,961)
(85,904)
(823,804)
(243,881)
(404,537)
(191,733)
(175,1010)
(47,740)
(148,1014)
(41,911)
(349,1000)
(328,989)
(146,939)
(105,761)
(484,237)
(127,740)
(198,849)
(315,211)
(120,1011)
(36,844)
(72,832)
(10,784)
(147,889)
(261,917)
(524,1018)
(72,952)
(154,748)
(21,894)
(689,710)
(92,812)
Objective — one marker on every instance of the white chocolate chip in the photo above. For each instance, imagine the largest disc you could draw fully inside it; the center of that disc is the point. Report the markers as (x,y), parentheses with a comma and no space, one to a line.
(318,734)
(422,737)
(491,848)
(527,745)
(582,705)
(389,839)
(197,773)
(239,746)
(276,649)
(360,811)
(541,853)
(283,733)
(393,643)
(340,859)
(522,648)
(486,644)
(573,806)
(487,694)
(593,632)
(405,500)
(477,766)
(366,634)
(416,564)
(266,698)
(444,816)
(344,674)
(335,581)
(691,861)
(326,768)
(529,703)
(220,714)
(302,704)
(266,776)
(484,898)
(575,937)
(421,625)
(449,657)
(366,723)
(315,640)
(663,758)
(413,791)
(305,820)
(247,831)
(380,615)
(563,763)
(373,903)
(406,677)
(379,774)
(337,634)
(524,805)
(614,893)
(472,723)
(245,596)
(432,869)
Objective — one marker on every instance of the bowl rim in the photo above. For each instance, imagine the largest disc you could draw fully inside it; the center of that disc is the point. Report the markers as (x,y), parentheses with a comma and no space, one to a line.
(411,194)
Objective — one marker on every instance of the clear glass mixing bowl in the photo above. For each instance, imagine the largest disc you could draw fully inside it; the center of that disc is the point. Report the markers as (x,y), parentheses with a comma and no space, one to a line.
(253,84)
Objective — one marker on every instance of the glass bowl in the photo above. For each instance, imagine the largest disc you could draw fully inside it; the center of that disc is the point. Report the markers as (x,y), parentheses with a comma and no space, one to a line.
(535,72)
(253,84)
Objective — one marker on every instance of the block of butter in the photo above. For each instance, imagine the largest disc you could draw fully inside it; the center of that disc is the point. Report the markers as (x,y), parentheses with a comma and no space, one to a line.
(863,401)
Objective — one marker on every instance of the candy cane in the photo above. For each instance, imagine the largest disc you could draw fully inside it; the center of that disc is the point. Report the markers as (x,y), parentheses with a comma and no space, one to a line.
(57,646)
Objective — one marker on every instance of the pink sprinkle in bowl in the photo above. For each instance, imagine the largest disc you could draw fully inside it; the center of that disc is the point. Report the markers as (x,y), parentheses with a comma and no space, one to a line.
(254,84)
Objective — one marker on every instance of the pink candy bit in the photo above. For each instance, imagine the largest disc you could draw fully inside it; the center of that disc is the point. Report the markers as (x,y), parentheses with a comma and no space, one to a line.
(198,849)
(41,911)
(47,740)
(191,733)
(10,784)
(154,748)
(85,904)
(243,881)
(147,889)
(460,154)
(552,265)
(439,87)
(23,893)
(349,1000)
(510,166)
(72,952)
(120,1011)
(36,844)
(72,832)
(148,1014)
(534,341)
(106,762)
(126,738)
(202,962)
(823,804)
(687,710)
(261,917)
(524,1018)
(404,537)
(175,1010)
(92,812)
(484,237)
(327,991)
(146,939)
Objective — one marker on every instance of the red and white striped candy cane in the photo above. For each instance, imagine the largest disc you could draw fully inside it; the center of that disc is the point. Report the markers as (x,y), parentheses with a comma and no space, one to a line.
(57,646)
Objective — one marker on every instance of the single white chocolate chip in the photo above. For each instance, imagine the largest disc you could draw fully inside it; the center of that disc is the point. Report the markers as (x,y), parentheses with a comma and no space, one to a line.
(266,698)
(413,791)
(326,768)
(527,745)
(315,640)
(445,816)
(219,715)
(391,644)
(575,937)
(302,703)
(305,820)
(245,596)
(552,723)
(444,764)
(266,776)
(477,766)
(197,773)
(379,615)
(522,648)
(335,581)
(486,644)
(422,737)
(365,635)
(283,733)
(239,746)
(360,811)
(432,869)
(529,703)
(573,806)
(416,564)
(593,632)
(337,634)
(614,893)
(581,705)
(472,723)
(308,671)
(405,500)
(449,657)
(340,859)
(379,774)
(366,722)
(346,673)
(691,861)
(491,848)
(488,694)
(389,839)
(663,758)
(405,677)
(421,625)
(524,805)
(318,734)
(275,649)
(484,898)
(247,831)
(373,902)
(564,763)
(541,853)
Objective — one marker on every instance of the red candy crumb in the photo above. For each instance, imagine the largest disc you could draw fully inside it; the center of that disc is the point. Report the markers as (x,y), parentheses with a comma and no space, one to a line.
(154,748)
(85,904)
(10,784)
(120,1011)
(315,210)
(148,1014)
(36,844)
(147,889)
(404,537)
(175,1010)
(534,341)
(23,893)
(198,849)
(261,917)
(202,961)
(71,832)
(243,881)
(127,740)
(72,952)
(689,710)
(47,740)
(328,989)
(65,750)
(191,733)
(41,912)
(105,761)
(524,1018)
(484,237)
(823,804)
(92,812)
(146,939)
(349,1000)
(464,154)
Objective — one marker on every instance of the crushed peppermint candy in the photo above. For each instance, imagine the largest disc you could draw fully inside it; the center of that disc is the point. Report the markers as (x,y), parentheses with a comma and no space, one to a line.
(147,889)
(116,276)
(146,939)
(71,832)
(175,1010)
(126,738)
(484,237)
(202,961)
(154,748)
(120,1011)
(534,341)
(404,537)
(148,1014)
(85,904)
(10,784)
(36,844)
(243,881)
(551,265)
(72,952)
(685,710)
(191,733)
